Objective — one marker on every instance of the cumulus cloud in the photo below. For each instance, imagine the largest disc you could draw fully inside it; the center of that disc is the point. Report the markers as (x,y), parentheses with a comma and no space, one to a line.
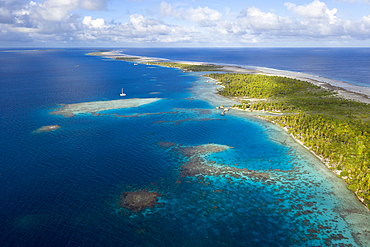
(139,29)
(204,16)
(144,26)
(54,20)
(98,23)
(46,20)
(318,19)
(254,18)
(315,10)
(167,9)
(311,21)
(51,10)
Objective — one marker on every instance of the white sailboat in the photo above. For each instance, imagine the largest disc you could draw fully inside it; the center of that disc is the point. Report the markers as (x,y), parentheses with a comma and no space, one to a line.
(122,94)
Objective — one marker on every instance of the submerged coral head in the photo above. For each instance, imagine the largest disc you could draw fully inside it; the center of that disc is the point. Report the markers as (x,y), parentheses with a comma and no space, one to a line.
(138,200)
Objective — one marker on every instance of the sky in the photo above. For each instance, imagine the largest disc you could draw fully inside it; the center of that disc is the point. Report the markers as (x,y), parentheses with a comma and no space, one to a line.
(187,23)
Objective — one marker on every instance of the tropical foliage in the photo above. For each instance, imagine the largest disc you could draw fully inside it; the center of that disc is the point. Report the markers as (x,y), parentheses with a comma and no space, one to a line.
(336,129)
(127,58)
(188,67)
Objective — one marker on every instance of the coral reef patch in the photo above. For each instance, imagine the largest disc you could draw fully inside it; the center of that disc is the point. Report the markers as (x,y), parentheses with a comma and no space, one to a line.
(138,200)
(47,128)
(196,163)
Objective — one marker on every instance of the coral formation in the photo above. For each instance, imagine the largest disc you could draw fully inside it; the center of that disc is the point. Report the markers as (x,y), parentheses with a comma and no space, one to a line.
(47,128)
(196,163)
(138,200)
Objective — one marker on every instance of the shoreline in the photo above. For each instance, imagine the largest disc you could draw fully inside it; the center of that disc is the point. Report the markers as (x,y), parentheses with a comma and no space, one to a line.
(322,160)
(343,89)
(362,94)
(362,97)
(332,168)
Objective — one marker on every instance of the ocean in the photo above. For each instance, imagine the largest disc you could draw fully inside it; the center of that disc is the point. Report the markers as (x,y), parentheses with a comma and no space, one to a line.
(64,187)
(350,65)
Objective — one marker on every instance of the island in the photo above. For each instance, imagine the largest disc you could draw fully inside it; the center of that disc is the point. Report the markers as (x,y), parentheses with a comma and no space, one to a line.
(70,110)
(334,126)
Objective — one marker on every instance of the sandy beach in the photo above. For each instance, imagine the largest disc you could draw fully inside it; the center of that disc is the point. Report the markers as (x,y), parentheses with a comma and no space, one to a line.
(343,89)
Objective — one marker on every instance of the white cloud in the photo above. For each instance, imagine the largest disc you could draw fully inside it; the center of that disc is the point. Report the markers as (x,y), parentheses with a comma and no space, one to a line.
(318,19)
(57,10)
(254,18)
(144,26)
(314,21)
(167,9)
(54,20)
(138,29)
(315,10)
(204,16)
(46,20)
(51,10)
(98,23)
(366,20)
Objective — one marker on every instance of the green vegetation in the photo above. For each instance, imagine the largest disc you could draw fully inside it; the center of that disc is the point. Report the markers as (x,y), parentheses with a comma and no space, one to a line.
(334,128)
(188,67)
(98,53)
(127,58)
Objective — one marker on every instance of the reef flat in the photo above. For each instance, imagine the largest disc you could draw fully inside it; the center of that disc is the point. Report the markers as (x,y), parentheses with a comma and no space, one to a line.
(47,128)
(71,110)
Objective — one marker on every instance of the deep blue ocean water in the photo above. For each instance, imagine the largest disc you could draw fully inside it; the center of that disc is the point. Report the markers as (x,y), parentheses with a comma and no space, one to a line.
(61,188)
(350,65)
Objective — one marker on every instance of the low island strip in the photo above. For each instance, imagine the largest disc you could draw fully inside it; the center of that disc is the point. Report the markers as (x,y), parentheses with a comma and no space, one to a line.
(329,118)
(70,110)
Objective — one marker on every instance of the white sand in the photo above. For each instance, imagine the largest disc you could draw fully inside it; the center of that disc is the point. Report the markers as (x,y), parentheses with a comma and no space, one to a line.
(98,106)
(345,90)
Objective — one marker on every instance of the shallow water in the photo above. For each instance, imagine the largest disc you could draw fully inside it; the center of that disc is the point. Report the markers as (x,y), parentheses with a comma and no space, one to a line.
(61,188)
